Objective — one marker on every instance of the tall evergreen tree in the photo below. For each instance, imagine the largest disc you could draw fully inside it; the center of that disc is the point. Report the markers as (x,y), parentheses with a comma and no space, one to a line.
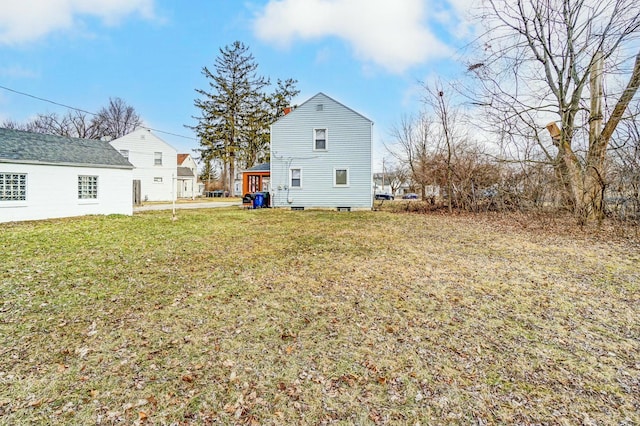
(236,112)
(233,84)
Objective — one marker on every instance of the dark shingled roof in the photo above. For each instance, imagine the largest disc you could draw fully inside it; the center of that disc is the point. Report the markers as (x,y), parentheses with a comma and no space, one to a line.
(264,167)
(17,146)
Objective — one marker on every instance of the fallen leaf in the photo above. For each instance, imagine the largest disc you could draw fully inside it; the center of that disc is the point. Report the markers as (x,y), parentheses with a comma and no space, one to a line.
(36,403)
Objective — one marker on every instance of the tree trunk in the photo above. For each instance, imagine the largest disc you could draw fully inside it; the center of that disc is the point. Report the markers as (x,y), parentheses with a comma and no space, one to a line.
(599,138)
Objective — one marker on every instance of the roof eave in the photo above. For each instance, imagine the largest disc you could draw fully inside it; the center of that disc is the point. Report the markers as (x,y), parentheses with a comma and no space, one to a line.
(67,164)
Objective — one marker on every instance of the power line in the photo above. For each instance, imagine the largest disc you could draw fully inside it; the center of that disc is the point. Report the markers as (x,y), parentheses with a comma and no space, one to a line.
(45,100)
(85,111)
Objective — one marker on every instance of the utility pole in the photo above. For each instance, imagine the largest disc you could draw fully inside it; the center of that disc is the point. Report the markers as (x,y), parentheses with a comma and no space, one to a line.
(383,174)
(445,125)
(595,84)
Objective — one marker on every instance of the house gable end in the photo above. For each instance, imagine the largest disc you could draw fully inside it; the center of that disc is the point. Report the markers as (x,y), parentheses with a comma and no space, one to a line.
(321,156)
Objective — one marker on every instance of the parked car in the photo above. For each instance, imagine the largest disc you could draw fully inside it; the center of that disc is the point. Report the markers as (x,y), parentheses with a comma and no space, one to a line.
(410,196)
(384,197)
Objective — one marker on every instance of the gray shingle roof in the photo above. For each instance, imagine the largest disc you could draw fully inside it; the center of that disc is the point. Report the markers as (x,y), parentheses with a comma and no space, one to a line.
(17,146)
(185,172)
(263,167)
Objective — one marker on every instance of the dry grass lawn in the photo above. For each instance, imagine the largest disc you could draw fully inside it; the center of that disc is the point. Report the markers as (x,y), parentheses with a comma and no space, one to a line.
(229,316)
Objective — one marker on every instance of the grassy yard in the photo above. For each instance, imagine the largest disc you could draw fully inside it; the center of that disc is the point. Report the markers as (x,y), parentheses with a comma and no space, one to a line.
(230,316)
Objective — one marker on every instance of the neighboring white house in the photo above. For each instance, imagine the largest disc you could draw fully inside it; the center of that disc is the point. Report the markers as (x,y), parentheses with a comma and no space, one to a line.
(390,182)
(155,164)
(321,157)
(187,177)
(45,177)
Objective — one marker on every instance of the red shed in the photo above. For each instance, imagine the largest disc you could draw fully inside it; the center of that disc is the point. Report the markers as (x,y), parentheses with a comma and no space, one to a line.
(256,179)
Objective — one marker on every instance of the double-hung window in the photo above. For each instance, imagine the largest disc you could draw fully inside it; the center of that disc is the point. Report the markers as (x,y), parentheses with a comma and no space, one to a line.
(295,180)
(87,187)
(13,186)
(157,158)
(320,140)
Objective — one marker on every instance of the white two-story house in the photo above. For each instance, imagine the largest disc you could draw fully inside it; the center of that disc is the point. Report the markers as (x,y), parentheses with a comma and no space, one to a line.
(321,154)
(155,164)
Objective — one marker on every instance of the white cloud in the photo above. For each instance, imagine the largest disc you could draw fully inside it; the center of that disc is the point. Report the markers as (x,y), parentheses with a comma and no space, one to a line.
(391,34)
(24,21)
(18,71)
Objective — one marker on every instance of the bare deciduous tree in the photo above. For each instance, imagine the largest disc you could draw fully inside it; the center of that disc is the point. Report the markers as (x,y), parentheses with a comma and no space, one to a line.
(446,117)
(539,64)
(116,119)
(414,143)
(624,179)
(397,175)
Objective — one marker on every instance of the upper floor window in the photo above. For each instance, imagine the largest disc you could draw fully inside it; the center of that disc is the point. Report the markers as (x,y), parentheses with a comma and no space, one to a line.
(13,186)
(157,159)
(319,139)
(87,187)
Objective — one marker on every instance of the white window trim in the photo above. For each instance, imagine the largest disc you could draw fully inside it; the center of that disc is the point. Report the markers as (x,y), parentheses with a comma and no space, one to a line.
(326,139)
(335,185)
(154,158)
(158,181)
(291,176)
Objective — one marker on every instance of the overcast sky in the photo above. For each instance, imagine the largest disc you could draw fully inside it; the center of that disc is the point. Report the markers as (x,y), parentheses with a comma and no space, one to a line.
(368,54)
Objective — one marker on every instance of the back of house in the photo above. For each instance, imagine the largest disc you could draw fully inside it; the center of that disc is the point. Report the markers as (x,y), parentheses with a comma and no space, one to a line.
(321,157)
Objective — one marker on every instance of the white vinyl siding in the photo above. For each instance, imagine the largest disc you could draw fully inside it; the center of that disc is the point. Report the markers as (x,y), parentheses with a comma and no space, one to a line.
(144,149)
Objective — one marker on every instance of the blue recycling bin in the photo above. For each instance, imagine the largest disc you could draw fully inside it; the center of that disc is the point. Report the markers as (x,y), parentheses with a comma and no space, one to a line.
(258,201)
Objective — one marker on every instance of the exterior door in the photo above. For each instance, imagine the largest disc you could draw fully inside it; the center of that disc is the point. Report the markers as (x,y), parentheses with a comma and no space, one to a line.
(137,191)
(254,183)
